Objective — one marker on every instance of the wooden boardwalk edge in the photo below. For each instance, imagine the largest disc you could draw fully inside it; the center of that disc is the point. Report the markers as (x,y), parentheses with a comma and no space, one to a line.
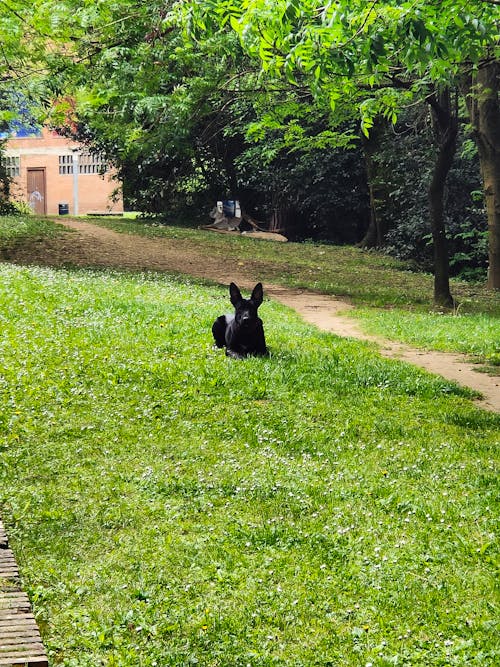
(20,641)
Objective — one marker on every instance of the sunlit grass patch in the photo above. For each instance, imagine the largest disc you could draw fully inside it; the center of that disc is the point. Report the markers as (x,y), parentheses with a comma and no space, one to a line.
(365,278)
(368,278)
(474,334)
(14,229)
(170,506)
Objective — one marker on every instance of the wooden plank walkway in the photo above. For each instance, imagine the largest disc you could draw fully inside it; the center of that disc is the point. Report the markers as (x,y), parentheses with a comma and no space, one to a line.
(20,641)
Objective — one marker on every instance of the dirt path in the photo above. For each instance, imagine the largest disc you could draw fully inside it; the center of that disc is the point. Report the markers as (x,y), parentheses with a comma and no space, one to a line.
(96,246)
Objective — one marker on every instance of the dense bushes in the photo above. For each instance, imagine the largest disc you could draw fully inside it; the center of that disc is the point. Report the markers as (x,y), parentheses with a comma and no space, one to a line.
(406,162)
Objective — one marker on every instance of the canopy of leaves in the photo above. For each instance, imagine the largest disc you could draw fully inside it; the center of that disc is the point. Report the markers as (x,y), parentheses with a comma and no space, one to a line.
(345,45)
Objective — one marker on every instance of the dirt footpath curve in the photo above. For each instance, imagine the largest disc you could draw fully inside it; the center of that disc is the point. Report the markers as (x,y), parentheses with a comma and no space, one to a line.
(91,245)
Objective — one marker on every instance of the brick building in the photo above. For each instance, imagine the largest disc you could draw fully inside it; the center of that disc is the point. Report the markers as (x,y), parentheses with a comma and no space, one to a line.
(41,165)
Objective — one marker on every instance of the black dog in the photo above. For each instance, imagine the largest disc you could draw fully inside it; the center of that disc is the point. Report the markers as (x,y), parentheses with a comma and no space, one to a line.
(242,334)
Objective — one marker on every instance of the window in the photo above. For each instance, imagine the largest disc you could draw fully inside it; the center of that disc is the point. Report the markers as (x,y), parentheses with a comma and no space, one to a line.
(65,164)
(11,164)
(88,163)
(92,163)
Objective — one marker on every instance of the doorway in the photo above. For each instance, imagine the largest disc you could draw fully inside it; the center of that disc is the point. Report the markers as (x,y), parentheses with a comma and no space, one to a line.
(36,190)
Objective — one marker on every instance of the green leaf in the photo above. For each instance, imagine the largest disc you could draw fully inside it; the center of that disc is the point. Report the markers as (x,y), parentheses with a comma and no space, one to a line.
(235,24)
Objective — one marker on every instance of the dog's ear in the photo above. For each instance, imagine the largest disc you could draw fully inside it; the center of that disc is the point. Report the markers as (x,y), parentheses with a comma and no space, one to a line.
(257,294)
(235,294)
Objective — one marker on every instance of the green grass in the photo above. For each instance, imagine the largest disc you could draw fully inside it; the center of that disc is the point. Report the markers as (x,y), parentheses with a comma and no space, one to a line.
(25,228)
(169,506)
(365,277)
(370,280)
(391,301)
(477,335)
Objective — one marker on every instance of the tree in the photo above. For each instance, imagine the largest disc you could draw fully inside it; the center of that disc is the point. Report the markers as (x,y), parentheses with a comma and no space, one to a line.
(160,109)
(375,234)
(376,47)
(445,117)
(482,95)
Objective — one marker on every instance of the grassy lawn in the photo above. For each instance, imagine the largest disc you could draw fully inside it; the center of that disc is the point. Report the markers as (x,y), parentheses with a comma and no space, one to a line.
(25,228)
(391,300)
(476,335)
(169,506)
(366,278)
(371,280)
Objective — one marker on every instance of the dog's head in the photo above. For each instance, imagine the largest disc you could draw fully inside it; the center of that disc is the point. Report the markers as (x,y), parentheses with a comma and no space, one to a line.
(245,313)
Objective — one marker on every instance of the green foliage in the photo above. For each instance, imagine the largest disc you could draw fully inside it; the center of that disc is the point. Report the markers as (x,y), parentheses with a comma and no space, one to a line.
(320,193)
(346,43)
(402,160)
(7,207)
(169,506)
(380,56)
(168,106)
(21,208)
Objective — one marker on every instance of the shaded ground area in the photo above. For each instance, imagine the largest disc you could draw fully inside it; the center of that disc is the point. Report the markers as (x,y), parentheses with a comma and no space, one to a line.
(95,246)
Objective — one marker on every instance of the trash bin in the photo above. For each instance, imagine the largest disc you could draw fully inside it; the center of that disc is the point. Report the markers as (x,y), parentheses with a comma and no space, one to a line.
(231,208)
(63,209)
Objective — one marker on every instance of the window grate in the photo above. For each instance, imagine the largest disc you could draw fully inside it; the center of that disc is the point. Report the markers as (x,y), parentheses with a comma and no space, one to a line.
(88,163)
(12,165)
(65,164)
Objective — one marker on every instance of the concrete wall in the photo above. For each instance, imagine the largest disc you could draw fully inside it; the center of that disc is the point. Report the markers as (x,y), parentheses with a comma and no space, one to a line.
(94,191)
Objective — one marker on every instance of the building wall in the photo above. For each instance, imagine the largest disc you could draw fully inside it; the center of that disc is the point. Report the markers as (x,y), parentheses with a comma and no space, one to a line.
(44,152)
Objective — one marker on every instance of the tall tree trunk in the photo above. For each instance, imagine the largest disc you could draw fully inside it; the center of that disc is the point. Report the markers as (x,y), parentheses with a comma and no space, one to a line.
(375,234)
(482,95)
(231,150)
(446,131)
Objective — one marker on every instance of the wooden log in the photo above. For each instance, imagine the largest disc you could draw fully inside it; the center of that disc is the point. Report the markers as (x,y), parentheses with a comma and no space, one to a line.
(18,631)
(20,641)
(25,661)
(17,621)
(10,643)
(258,226)
(267,236)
